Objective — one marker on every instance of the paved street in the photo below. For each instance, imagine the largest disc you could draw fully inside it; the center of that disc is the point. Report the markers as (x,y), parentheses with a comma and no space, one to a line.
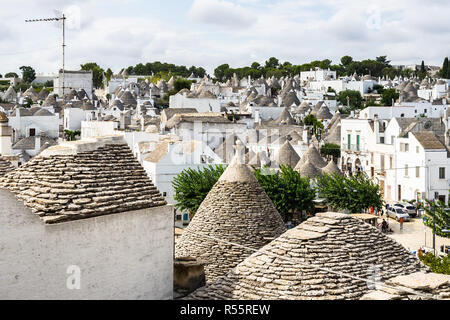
(413,235)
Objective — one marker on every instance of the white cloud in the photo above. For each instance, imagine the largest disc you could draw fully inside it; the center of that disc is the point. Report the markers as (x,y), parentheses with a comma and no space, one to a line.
(212,32)
(222,13)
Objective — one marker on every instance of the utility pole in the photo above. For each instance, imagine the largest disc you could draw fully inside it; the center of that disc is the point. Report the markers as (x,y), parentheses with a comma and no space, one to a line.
(63,19)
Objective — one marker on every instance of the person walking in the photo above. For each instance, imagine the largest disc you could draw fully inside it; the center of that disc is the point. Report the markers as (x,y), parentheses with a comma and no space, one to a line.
(401,223)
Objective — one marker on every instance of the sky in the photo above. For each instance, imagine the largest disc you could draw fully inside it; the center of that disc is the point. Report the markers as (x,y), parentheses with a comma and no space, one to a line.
(207,33)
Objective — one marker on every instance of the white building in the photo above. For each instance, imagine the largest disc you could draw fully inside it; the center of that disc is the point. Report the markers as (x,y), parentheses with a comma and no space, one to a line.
(169,158)
(403,155)
(33,122)
(74,80)
(405,110)
(317,75)
(202,103)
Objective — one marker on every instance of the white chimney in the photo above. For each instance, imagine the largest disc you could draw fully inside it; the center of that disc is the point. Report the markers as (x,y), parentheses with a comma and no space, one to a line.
(376,127)
(37,144)
(240,151)
(257,117)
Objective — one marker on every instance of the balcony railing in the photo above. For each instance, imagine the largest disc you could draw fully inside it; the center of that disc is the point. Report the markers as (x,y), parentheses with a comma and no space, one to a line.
(354,147)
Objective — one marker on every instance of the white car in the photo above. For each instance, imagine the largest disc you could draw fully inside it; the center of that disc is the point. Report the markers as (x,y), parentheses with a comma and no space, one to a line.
(397,213)
(408,208)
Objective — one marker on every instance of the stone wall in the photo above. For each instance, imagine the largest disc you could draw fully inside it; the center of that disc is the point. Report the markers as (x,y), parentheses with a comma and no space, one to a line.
(429,286)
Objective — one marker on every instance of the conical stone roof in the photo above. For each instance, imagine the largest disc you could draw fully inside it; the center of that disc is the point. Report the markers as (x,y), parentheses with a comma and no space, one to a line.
(127,98)
(331,168)
(5,166)
(308,170)
(43,94)
(289,267)
(83,179)
(287,155)
(313,156)
(237,210)
(285,118)
(324,113)
(336,117)
(334,134)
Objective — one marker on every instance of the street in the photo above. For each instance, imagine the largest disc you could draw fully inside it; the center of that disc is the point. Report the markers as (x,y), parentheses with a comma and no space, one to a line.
(413,237)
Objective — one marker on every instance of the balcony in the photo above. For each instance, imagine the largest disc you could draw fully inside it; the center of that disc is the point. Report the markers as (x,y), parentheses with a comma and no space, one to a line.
(356,148)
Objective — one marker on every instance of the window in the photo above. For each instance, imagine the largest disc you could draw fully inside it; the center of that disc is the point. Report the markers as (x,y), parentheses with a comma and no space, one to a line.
(406,170)
(164,194)
(417,149)
(32,132)
(404,147)
(391,162)
(417,172)
(441,173)
(382,162)
(382,140)
(425,111)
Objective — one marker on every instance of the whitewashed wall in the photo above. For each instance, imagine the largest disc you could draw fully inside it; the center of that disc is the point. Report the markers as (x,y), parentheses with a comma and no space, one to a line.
(121,256)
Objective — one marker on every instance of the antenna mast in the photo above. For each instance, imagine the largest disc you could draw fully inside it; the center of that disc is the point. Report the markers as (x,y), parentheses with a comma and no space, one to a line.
(63,19)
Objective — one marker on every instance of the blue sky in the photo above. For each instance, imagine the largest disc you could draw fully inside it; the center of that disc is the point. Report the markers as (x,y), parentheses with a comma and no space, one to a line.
(119,33)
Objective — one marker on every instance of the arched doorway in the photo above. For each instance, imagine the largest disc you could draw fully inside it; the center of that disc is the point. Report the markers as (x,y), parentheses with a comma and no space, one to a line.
(358,165)
(349,165)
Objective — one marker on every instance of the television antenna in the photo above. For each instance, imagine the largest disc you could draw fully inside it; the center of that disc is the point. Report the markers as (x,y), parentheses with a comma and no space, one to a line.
(63,19)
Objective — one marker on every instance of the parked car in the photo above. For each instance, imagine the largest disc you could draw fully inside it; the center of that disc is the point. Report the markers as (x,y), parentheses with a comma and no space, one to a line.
(397,213)
(408,208)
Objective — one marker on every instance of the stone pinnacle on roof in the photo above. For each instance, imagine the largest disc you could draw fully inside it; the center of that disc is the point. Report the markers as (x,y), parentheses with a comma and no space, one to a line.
(292,266)
(237,210)
(83,179)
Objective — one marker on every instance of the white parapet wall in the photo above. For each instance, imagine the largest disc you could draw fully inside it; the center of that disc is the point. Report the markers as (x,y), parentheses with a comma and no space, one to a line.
(119,256)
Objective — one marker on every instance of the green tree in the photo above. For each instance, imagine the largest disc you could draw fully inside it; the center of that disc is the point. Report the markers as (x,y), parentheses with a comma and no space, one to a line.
(28,74)
(436,264)
(27,103)
(221,72)
(378,88)
(71,134)
(331,149)
(422,72)
(108,74)
(192,186)
(11,75)
(383,60)
(289,192)
(388,95)
(445,70)
(97,73)
(346,60)
(180,84)
(311,120)
(255,65)
(272,63)
(354,99)
(356,193)
(441,213)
